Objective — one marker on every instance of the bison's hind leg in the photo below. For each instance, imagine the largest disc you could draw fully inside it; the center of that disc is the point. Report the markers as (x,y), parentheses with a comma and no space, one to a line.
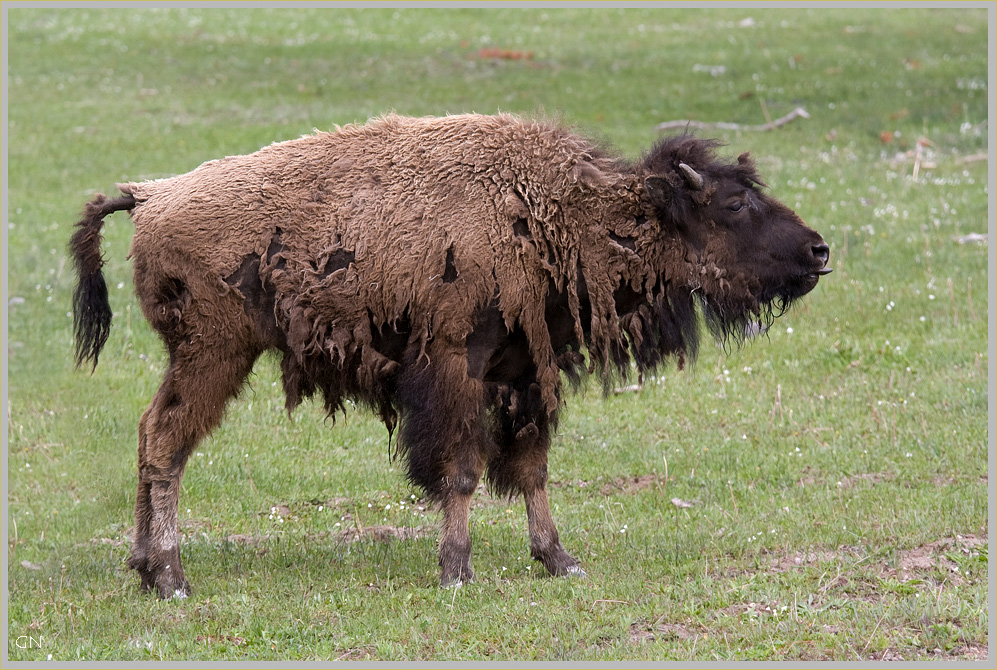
(203,374)
(520,466)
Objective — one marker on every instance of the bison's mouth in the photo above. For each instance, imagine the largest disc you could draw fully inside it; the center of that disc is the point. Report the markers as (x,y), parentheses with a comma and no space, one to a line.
(809,280)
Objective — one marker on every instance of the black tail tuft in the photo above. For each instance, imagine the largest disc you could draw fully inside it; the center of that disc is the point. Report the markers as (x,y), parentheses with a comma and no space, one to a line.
(91,308)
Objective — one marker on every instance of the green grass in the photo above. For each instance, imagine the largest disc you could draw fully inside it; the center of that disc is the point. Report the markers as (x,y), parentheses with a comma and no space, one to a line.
(836,470)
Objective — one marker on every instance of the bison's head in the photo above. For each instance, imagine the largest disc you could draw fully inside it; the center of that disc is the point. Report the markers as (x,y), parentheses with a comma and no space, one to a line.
(745,255)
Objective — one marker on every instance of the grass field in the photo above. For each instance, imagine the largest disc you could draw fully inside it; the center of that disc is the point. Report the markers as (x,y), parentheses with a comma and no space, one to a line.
(819,494)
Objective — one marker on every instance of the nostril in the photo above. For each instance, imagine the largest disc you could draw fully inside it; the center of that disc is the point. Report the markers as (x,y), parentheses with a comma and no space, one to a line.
(821,252)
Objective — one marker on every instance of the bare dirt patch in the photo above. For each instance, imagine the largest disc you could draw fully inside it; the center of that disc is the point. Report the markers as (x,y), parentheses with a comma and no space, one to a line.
(845,483)
(357,653)
(909,563)
(374,533)
(628,484)
(215,639)
(801,559)
(645,632)
(870,478)
(933,557)
(967,652)
(382,533)
(752,609)
(970,652)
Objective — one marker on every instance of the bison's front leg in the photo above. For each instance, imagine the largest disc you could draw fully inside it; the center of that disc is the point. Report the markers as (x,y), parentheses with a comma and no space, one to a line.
(520,465)
(442,434)
(545,545)
(530,467)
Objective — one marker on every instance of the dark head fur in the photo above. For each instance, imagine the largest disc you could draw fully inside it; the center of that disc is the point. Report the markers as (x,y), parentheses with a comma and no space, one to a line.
(748,257)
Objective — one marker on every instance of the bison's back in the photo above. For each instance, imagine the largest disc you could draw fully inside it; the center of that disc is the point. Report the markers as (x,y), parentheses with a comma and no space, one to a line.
(422,220)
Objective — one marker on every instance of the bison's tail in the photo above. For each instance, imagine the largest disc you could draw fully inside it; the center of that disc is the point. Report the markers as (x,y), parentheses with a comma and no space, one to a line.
(91,309)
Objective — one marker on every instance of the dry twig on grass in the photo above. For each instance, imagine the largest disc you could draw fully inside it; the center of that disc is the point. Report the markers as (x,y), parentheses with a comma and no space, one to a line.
(781,121)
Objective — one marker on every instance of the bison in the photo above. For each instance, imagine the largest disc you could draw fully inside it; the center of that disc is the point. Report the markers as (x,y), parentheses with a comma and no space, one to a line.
(443,272)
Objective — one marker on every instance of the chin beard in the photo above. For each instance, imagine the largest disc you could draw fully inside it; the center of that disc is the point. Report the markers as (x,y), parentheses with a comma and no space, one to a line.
(731,324)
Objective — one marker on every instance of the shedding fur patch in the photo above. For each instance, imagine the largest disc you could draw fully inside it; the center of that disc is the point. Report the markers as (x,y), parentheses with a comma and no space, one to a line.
(415,226)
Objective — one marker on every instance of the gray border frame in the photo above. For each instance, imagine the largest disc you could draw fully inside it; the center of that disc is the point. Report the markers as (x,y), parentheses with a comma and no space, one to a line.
(443,4)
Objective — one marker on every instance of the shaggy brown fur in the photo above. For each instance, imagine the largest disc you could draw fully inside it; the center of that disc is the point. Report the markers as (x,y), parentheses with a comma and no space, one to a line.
(443,271)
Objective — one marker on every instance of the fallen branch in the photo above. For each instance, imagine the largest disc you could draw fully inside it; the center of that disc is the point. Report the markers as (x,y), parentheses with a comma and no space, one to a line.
(781,121)
(971,158)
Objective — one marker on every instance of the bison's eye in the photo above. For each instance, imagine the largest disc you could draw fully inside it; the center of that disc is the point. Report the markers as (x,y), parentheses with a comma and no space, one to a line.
(736,206)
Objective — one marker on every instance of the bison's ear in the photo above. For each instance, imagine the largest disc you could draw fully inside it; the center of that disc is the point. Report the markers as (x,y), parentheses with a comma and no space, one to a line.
(658,190)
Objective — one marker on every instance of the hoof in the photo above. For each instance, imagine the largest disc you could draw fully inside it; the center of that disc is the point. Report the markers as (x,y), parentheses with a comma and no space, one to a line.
(166,585)
(173,592)
(558,562)
(576,572)
(465,576)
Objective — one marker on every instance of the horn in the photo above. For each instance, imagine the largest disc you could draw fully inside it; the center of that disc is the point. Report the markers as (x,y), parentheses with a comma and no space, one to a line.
(693,178)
